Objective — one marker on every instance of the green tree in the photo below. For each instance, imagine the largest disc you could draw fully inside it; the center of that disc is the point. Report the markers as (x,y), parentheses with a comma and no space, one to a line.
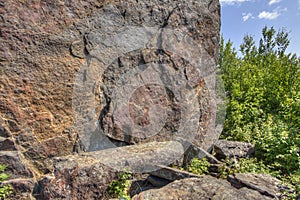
(263,98)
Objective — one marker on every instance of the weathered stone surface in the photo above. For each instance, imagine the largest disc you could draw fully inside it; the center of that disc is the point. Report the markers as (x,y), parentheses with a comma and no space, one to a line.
(87,175)
(196,152)
(229,149)
(156,71)
(3,131)
(171,174)
(69,67)
(156,181)
(16,168)
(22,188)
(205,187)
(76,177)
(139,158)
(46,48)
(21,177)
(263,183)
(141,183)
(7,144)
(37,71)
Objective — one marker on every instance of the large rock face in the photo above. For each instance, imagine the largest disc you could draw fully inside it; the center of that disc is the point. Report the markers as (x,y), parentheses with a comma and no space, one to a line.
(90,75)
(37,75)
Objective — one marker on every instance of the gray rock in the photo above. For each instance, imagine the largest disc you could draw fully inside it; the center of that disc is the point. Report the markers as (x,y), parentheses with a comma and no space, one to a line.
(156,181)
(263,183)
(7,144)
(153,72)
(139,158)
(75,64)
(87,175)
(76,177)
(77,49)
(229,149)
(141,183)
(172,174)
(22,188)
(3,132)
(196,152)
(205,187)
(16,167)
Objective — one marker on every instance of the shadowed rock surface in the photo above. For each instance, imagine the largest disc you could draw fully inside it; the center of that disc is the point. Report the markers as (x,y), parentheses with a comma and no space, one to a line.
(171,174)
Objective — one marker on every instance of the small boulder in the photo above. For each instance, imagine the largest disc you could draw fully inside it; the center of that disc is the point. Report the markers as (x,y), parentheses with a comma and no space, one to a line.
(229,149)
(263,183)
(76,177)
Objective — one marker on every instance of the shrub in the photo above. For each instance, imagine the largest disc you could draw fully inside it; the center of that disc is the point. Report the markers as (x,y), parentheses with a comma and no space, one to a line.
(242,165)
(198,166)
(119,188)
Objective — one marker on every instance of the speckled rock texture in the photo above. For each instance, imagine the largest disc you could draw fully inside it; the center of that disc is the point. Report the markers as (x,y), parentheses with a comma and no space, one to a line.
(68,68)
(87,175)
(206,187)
(232,149)
(263,183)
(76,177)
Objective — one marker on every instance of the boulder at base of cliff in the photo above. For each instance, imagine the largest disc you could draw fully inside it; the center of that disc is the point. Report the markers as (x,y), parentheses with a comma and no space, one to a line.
(206,187)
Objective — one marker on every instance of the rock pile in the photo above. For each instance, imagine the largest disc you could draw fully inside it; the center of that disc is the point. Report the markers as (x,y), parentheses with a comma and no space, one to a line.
(85,177)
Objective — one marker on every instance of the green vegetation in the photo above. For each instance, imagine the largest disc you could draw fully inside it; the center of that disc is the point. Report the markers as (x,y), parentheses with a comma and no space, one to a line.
(197,166)
(5,190)
(263,102)
(242,165)
(228,167)
(119,188)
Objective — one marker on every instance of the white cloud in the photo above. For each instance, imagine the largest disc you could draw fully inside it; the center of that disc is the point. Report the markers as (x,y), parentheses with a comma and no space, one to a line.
(271,2)
(247,16)
(268,15)
(271,15)
(299,4)
(232,2)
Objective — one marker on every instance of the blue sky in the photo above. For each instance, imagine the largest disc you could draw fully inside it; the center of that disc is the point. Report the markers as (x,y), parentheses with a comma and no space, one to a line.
(250,16)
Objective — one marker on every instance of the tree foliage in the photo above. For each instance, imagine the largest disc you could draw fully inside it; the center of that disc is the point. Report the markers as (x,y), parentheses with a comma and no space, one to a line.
(262,86)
